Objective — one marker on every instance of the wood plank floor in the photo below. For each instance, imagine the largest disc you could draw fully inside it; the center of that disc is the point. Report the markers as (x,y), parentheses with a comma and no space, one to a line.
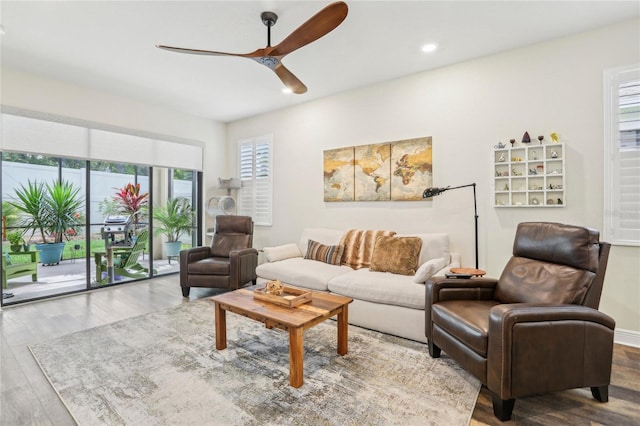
(28,399)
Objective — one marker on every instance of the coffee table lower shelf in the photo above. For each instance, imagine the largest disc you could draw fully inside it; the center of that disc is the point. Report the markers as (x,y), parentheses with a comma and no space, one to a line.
(294,320)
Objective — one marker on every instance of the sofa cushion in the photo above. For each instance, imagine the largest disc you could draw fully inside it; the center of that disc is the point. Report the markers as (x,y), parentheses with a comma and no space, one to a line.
(433,246)
(398,255)
(301,272)
(285,251)
(210,266)
(379,287)
(322,253)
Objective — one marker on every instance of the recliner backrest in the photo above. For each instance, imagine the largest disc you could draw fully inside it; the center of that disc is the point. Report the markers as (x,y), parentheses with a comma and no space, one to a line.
(232,233)
(551,263)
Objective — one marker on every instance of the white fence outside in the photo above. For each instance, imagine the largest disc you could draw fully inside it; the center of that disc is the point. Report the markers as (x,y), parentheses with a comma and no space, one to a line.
(103,184)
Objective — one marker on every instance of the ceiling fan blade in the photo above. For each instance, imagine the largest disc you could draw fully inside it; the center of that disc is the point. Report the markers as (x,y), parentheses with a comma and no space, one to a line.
(290,80)
(257,53)
(317,26)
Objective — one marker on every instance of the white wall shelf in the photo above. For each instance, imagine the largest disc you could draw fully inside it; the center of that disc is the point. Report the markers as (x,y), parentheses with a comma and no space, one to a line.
(529,175)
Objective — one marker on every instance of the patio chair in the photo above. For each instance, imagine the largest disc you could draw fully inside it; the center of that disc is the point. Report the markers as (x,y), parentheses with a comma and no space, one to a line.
(125,260)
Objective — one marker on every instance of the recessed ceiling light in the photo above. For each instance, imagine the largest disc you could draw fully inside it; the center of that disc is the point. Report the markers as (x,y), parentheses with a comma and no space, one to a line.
(286,90)
(431,47)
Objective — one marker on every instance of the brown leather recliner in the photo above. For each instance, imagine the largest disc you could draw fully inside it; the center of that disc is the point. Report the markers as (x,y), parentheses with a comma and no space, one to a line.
(230,262)
(535,330)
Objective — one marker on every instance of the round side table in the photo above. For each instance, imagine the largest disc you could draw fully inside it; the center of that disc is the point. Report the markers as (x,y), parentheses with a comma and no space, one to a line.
(468,271)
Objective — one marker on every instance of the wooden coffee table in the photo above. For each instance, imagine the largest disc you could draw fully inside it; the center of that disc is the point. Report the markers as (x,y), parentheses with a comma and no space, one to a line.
(294,320)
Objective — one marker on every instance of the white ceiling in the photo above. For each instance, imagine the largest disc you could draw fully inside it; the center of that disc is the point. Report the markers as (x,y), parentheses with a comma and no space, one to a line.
(109,45)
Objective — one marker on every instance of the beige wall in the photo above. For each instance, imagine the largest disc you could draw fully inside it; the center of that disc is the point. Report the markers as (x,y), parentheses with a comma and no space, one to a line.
(34,93)
(466,108)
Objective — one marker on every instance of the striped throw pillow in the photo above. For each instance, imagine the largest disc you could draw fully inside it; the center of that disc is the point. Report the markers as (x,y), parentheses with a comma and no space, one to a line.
(327,254)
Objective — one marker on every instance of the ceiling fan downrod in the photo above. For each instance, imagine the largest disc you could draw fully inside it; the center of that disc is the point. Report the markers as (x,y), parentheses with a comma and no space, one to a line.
(269,19)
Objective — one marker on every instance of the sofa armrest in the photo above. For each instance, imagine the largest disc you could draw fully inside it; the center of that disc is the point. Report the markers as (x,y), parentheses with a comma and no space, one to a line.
(454,262)
(536,348)
(281,252)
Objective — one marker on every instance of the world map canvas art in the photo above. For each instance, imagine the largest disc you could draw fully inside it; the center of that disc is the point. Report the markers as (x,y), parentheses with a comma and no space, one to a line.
(398,171)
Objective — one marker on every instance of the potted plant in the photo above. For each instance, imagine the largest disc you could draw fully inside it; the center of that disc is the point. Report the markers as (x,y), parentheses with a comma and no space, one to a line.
(15,240)
(131,202)
(54,211)
(173,219)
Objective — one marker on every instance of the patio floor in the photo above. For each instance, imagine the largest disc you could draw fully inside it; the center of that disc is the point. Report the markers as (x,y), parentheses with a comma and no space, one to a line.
(69,275)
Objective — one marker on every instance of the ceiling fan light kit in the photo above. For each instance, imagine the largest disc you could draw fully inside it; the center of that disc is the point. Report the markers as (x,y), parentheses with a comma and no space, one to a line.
(315,27)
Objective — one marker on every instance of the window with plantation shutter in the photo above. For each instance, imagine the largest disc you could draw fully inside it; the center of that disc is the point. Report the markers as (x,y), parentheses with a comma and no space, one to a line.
(622,156)
(255,169)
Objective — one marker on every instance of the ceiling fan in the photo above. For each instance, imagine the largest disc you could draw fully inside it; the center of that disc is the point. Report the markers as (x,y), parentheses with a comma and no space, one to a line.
(317,26)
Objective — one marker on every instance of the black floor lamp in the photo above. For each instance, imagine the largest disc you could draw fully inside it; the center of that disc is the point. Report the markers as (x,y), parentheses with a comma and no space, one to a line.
(432,192)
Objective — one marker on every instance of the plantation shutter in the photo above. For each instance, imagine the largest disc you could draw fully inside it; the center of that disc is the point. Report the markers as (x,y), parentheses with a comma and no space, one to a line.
(255,167)
(622,188)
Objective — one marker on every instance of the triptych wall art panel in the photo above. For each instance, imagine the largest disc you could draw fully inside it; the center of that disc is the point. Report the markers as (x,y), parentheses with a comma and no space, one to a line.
(398,171)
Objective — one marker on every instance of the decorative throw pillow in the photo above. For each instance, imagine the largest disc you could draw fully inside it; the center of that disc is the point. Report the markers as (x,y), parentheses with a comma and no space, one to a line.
(398,255)
(358,246)
(428,268)
(327,254)
(286,251)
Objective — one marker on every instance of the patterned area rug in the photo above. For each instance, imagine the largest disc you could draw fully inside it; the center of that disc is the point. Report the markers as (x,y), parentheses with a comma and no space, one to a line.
(163,368)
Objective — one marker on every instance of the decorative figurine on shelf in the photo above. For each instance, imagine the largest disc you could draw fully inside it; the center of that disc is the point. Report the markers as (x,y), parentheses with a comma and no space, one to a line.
(559,201)
(516,159)
(501,158)
(274,287)
(550,201)
(534,201)
(506,187)
(534,154)
(512,141)
(532,172)
(526,138)
(540,139)
(554,137)
(500,145)
(554,153)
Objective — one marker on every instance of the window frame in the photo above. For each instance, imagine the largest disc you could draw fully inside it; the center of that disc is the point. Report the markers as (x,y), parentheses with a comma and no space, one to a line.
(612,230)
(248,193)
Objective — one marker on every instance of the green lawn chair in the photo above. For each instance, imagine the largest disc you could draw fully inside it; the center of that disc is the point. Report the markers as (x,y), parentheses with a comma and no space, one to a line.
(125,260)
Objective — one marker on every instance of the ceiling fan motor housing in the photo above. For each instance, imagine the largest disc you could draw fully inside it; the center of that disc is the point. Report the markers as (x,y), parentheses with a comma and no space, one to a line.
(269,18)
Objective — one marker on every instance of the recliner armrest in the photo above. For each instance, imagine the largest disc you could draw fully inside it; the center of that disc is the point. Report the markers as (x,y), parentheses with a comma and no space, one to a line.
(535,348)
(242,268)
(243,252)
(440,289)
(194,254)
(507,315)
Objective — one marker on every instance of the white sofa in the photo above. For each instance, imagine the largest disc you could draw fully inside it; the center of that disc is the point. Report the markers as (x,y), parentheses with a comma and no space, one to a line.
(382,301)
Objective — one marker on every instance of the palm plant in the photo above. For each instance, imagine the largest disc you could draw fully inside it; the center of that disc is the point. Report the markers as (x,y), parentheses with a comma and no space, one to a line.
(53,210)
(175,218)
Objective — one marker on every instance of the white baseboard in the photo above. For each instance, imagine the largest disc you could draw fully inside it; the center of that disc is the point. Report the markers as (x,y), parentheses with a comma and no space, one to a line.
(627,337)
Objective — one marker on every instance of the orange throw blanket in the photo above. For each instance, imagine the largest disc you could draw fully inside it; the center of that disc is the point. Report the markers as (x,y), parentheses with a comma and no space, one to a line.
(358,246)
